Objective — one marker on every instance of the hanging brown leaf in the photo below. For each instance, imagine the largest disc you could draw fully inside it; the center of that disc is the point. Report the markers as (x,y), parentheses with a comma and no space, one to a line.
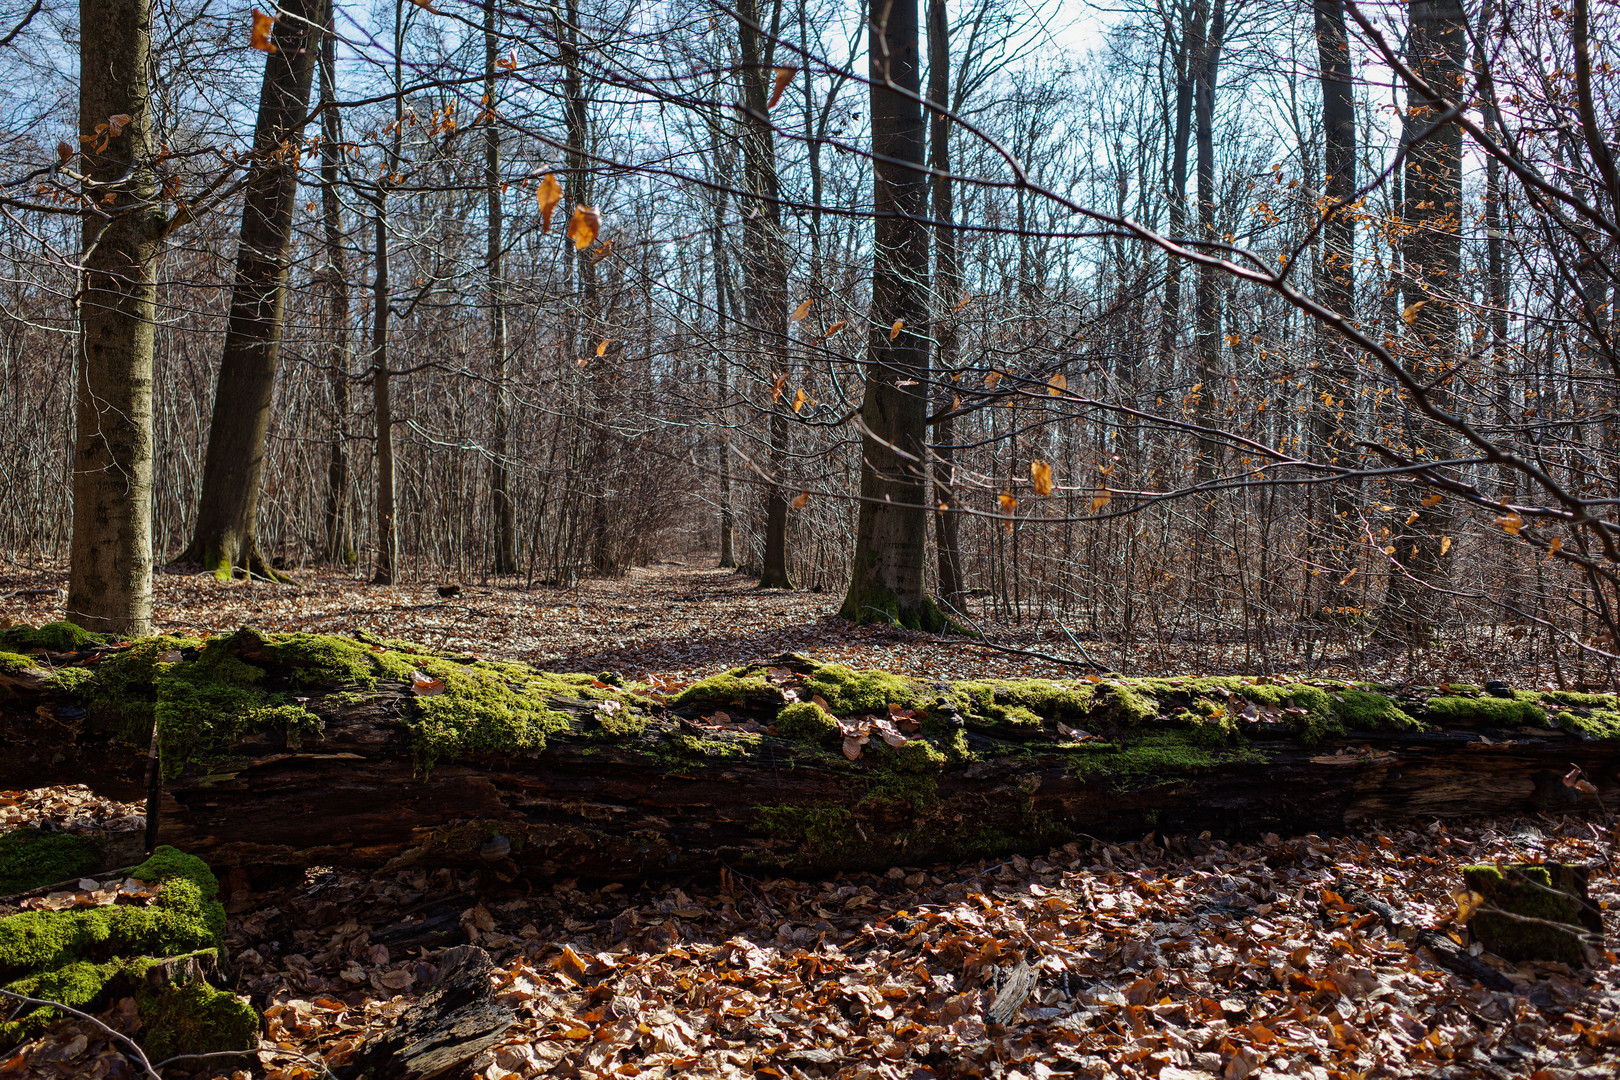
(548,195)
(833,329)
(784,75)
(261,32)
(800,501)
(64,151)
(1411,517)
(964,302)
(426,5)
(583,226)
(1008,503)
(799,399)
(1445,544)
(1511,522)
(115,124)
(776,388)
(894,331)
(1040,474)
(1409,316)
(800,312)
(1101,499)
(991,379)
(1346,579)
(1057,384)
(1554,546)
(602,346)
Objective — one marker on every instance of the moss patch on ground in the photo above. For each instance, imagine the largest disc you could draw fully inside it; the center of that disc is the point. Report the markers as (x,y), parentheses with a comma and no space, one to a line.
(56,637)
(30,858)
(1520,710)
(1527,915)
(82,956)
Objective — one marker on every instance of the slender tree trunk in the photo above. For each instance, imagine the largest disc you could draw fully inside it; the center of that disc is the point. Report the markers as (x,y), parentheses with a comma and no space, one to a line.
(1332,403)
(226,538)
(765,261)
(887,581)
(110,574)
(339,538)
(1207,283)
(500,477)
(724,310)
(947,284)
(1192,30)
(1431,260)
(382,392)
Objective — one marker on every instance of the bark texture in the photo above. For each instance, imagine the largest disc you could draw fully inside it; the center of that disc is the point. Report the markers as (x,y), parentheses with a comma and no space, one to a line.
(226,538)
(887,570)
(299,750)
(110,580)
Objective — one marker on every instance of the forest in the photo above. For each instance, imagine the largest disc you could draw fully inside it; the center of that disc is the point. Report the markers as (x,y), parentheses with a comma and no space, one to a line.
(921,538)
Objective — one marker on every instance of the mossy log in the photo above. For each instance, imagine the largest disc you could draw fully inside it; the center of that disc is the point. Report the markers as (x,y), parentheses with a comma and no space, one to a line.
(294,750)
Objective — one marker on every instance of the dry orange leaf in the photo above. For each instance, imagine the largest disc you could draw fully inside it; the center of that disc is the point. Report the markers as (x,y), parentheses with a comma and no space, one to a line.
(894,331)
(548,195)
(1040,474)
(784,75)
(964,302)
(1432,500)
(1101,499)
(1409,316)
(800,501)
(833,329)
(1057,384)
(776,388)
(1445,544)
(1008,503)
(426,685)
(583,226)
(1511,522)
(799,399)
(800,312)
(1554,546)
(261,32)
(602,346)
(991,379)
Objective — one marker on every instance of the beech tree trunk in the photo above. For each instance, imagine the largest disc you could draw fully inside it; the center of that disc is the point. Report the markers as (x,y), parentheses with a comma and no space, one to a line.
(110,575)
(226,536)
(947,284)
(887,570)
(339,528)
(500,474)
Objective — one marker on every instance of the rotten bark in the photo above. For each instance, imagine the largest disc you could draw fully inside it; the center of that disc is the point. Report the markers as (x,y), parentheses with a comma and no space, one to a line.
(645,789)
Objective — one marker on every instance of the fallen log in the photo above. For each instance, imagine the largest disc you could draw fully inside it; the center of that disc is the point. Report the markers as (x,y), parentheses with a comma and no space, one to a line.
(295,750)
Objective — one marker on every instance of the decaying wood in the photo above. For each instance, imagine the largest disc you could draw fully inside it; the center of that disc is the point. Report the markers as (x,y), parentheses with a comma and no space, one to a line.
(632,807)
(455,1021)
(1447,953)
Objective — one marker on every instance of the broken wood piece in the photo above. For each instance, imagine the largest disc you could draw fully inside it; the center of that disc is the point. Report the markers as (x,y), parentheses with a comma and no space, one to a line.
(1533,911)
(455,1021)
(1447,953)
(1013,994)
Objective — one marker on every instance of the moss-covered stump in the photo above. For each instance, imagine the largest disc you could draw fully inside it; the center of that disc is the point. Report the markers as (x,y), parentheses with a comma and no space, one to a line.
(157,944)
(1533,911)
(292,750)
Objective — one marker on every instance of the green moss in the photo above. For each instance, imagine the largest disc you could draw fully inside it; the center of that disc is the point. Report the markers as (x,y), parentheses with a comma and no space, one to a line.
(806,722)
(732,745)
(917,756)
(482,712)
(328,661)
(1362,710)
(1161,755)
(739,687)
(848,692)
(56,637)
(1526,890)
(30,858)
(1520,710)
(194,1018)
(16,663)
(72,956)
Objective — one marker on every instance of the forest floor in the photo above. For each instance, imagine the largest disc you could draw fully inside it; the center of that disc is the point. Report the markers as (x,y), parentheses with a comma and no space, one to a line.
(685,619)
(1176,958)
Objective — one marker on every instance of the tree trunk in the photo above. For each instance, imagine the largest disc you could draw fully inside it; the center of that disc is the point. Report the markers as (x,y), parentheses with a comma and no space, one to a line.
(1332,407)
(1207,282)
(1192,30)
(1431,258)
(381,391)
(500,476)
(886,573)
(110,575)
(226,536)
(947,284)
(765,262)
(339,527)
(297,750)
